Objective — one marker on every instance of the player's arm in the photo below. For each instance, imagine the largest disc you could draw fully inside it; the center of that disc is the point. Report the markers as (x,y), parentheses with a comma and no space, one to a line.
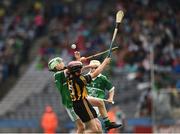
(78,57)
(86,79)
(82,59)
(100,68)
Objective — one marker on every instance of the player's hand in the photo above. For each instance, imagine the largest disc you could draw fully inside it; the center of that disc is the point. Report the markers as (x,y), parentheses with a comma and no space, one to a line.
(77,55)
(83,59)
(110,99)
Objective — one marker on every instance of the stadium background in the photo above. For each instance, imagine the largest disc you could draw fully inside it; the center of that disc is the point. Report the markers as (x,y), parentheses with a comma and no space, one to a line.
(145,70)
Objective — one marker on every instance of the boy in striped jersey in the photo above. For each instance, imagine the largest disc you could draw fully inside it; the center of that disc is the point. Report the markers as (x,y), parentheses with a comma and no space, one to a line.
(77,86)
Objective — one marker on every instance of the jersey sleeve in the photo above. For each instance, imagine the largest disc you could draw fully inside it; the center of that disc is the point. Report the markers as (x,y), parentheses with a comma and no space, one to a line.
(107,83)
(86,79)
(57,84)
(59,77)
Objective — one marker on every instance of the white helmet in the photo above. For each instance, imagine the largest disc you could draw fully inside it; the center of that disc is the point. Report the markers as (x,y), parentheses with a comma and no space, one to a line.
(95,62)
(53,63)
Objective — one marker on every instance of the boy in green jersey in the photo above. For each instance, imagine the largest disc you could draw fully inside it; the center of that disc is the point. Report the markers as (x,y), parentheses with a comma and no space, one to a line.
(98,87)
(100,84)
(60,82)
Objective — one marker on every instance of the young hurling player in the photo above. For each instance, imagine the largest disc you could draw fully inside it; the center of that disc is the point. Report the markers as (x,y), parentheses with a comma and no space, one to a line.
(98,86)
(77,86)
(60,82)
(103,84)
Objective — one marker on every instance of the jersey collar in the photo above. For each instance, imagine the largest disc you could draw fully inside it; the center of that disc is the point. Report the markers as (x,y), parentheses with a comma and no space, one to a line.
(97,77)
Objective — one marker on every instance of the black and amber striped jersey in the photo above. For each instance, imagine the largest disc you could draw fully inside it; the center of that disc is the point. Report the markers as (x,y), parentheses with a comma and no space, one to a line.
(77,86)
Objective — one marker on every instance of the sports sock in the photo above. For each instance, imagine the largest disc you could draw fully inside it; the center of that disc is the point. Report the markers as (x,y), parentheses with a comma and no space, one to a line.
(106,121)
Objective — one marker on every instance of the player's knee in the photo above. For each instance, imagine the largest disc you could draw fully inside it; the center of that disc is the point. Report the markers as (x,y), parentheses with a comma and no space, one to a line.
(98,125)
(100,103)
(97,128)
(80,128)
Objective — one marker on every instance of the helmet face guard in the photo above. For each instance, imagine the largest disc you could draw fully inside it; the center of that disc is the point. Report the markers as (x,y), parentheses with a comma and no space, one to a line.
(74,66)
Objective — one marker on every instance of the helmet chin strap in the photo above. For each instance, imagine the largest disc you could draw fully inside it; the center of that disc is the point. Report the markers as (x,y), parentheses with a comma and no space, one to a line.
(74,74)
(78,73)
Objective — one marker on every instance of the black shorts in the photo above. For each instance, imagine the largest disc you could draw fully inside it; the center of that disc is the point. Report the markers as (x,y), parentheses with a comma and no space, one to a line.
(84,110)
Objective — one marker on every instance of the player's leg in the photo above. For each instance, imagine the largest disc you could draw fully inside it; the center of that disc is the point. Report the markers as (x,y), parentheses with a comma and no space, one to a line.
(74,117)
(100,104)
(98,124)
(80,126)
(102,109)
(93,126)
(88,115)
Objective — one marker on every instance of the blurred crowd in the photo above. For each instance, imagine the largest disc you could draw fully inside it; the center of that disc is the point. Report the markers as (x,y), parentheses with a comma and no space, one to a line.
(148,26)
(21,23)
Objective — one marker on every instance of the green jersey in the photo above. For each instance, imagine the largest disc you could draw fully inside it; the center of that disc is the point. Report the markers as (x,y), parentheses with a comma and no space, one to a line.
(98,86)
(61,84)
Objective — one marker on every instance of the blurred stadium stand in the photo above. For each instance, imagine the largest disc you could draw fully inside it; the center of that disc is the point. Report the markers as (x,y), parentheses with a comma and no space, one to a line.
(33,81)
(42,29)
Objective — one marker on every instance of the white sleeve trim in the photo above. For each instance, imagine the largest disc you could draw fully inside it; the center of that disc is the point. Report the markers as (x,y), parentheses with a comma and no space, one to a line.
(65,74)
(56,73)
(112,89)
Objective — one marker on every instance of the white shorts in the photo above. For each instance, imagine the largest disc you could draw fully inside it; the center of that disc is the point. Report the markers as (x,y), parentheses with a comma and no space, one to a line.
(73,116)
(97,111)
